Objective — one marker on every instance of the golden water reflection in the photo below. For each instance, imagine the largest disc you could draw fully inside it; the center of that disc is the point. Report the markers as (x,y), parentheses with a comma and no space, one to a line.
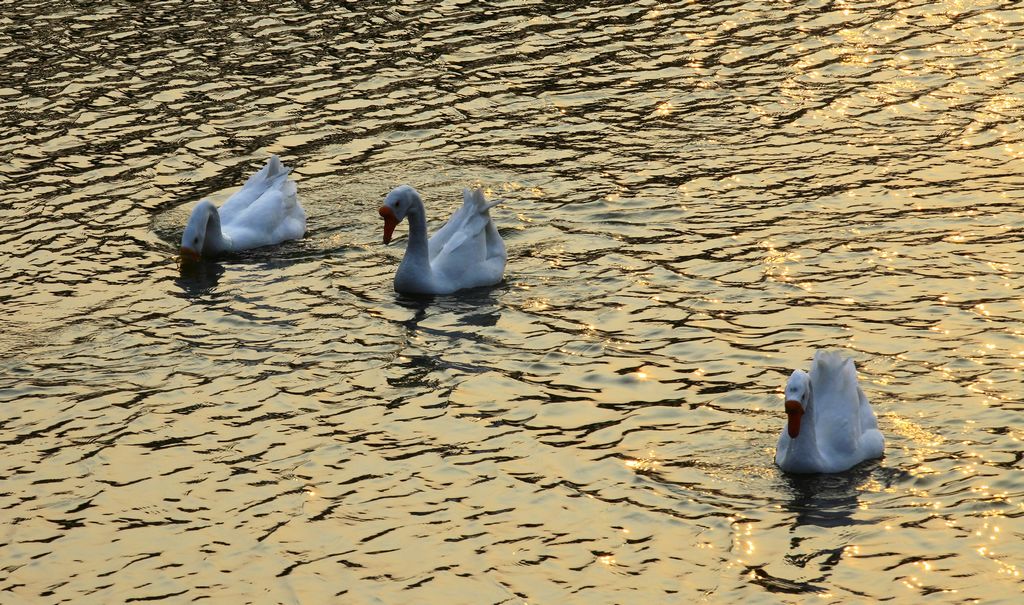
(695,197)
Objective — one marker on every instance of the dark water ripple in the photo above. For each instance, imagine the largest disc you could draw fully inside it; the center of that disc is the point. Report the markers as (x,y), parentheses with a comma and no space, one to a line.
(696,197)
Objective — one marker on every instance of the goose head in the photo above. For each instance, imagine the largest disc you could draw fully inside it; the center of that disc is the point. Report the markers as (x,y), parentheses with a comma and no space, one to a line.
(798,399)
(194,237)
(396,206)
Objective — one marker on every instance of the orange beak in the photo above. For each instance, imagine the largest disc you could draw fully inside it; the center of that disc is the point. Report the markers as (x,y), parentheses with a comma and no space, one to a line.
(390,222)
(188,254)
(795,411)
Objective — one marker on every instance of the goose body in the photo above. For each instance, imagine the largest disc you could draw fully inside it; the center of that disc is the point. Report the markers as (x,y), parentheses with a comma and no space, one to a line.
(467,252)
(831,425)
(265,211)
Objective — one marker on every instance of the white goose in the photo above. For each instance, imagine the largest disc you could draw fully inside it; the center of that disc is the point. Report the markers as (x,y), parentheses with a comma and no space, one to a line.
(831,425)
(263,212)
(467,252)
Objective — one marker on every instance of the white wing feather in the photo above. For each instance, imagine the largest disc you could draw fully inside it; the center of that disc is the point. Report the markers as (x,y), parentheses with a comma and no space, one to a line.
(271,176)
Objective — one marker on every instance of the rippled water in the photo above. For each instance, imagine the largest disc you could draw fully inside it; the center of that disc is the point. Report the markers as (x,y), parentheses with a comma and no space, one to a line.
(696,196)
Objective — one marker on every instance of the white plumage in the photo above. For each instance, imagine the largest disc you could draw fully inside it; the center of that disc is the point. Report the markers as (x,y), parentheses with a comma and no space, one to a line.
(265,211)
(831,424)
(467,252)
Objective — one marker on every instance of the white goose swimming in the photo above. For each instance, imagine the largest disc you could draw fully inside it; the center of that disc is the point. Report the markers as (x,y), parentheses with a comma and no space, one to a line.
(467,252)
(263,212)
(831,425)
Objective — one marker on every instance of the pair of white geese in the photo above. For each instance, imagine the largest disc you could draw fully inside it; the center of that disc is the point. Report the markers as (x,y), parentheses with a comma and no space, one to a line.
(831,426)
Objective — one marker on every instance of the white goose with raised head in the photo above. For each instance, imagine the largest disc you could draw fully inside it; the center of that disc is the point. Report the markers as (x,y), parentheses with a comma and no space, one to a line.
(265,211)
(831,426)
(467,252)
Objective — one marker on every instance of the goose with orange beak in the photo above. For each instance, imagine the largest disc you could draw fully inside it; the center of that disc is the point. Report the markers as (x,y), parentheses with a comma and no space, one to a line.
(830,425)
(265,211)
(467,252)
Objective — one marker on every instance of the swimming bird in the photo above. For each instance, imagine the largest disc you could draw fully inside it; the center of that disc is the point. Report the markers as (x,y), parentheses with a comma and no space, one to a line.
(467,252)
(265,211)
(831,425)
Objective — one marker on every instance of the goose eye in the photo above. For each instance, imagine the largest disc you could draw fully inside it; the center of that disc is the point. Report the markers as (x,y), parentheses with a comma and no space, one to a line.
(195,241)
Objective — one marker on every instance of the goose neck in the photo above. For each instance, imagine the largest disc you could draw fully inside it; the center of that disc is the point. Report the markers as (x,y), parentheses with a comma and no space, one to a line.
(215,241)
(417,229)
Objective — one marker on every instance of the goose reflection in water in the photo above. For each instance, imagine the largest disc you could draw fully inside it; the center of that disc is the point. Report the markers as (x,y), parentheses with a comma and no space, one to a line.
(827,500)
(198,278)
(471,309)
(831,500)
(474,307)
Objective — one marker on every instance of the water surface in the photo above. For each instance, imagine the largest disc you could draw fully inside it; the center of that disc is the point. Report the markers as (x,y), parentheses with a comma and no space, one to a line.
(696,196)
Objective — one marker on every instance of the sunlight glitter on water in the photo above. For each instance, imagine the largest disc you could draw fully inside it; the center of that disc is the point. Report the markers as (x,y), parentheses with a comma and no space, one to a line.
(695,197)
